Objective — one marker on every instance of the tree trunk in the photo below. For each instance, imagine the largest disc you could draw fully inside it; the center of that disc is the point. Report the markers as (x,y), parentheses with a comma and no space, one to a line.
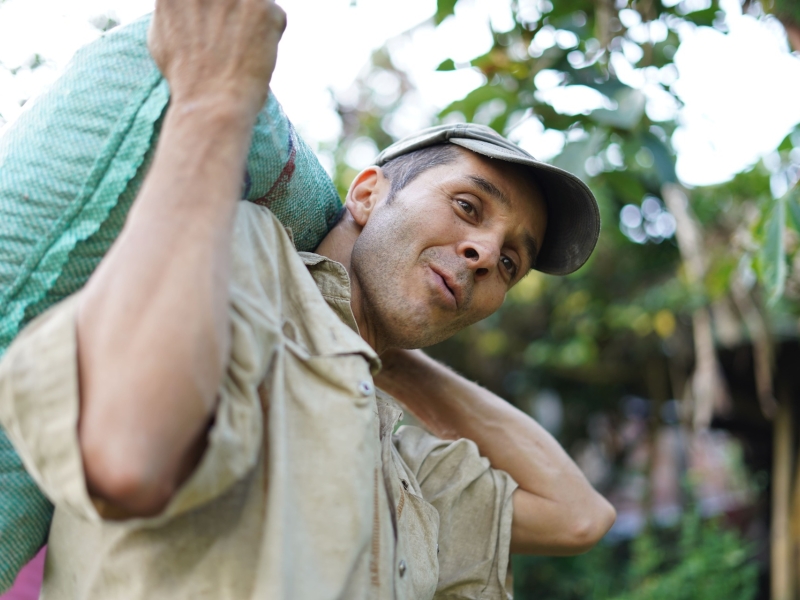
(795,529)
(708,387)
(781,539)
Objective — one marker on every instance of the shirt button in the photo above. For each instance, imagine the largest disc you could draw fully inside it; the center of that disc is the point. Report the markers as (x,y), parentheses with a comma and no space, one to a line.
(365,387)
(401,568)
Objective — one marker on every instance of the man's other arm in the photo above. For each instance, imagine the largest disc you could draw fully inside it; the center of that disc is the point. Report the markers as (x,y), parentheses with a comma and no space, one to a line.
(152,326)
(556,510)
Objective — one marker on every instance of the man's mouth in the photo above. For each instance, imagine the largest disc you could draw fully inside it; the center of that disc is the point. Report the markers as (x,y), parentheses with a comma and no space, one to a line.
(448,285)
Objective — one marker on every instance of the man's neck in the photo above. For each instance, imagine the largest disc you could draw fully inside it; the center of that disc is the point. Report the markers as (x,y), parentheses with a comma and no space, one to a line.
(338,245)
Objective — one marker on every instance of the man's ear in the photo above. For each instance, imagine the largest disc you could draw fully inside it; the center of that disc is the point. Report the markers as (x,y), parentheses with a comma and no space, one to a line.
(366,191)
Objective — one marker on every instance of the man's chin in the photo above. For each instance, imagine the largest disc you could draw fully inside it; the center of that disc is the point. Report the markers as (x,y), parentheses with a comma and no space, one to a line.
(421,331)
(413,321)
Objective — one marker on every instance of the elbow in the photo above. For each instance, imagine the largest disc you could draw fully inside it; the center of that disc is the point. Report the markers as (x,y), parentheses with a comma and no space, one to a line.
(126,482)
(550,528)
(590,528)
(137,449)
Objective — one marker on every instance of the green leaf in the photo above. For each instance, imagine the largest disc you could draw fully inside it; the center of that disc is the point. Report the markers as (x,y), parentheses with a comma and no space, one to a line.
(787,10)
(626,186)
(664,52)
(444,8)
(554,120)
(469,105)
(500,122)
(703,18)
(573,156)
(663,160)
(564,10)
(786,144)
(629,111)
(593,77)
(773,253)
(793,202)
(447,65)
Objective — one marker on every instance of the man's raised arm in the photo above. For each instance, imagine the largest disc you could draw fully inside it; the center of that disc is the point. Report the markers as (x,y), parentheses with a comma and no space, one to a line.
(556,510)
(152,323)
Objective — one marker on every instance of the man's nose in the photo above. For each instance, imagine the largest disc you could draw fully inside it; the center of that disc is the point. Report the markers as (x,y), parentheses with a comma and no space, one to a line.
(481,257)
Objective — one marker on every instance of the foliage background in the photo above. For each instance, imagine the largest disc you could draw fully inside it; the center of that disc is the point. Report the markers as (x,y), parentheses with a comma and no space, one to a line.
(682,326)
(679,321)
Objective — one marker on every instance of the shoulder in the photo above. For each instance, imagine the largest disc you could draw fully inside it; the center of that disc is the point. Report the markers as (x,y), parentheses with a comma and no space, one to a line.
(256,228)
(263,258)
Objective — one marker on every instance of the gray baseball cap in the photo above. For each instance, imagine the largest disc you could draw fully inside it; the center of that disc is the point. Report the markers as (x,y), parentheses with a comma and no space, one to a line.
(573,219)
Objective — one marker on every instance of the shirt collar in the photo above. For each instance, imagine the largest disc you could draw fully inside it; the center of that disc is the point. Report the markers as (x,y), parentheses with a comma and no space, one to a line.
(333,283)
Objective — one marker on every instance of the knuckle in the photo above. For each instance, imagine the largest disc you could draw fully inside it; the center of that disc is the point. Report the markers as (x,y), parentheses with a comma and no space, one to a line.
(278,16)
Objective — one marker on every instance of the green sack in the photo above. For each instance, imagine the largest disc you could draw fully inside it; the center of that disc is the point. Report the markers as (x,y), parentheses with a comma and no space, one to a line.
(70,167)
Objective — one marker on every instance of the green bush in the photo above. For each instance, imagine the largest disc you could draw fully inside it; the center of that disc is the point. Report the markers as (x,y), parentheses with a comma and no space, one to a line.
(698,560)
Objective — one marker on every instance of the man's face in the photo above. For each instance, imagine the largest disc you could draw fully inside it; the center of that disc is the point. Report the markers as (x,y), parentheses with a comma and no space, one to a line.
(443,253)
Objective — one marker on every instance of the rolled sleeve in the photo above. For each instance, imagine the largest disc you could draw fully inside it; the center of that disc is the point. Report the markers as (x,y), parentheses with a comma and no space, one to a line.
(235,439)
(475,512)
(39,408)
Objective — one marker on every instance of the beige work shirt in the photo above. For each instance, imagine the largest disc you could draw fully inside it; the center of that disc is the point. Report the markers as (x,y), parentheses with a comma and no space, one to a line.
(305,490)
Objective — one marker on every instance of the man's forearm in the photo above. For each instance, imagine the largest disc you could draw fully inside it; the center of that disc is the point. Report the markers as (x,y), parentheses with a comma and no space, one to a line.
(152,324)
(558,511)
(153,319)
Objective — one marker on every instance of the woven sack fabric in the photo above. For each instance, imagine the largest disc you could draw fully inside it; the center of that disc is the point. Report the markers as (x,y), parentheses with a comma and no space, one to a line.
(70,168)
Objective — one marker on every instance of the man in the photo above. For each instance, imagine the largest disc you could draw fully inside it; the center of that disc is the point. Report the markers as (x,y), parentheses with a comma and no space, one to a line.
(203,413)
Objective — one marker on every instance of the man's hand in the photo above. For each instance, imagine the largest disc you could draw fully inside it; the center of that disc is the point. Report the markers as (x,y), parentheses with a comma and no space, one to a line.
(152,327)
(221,48)
(556,510)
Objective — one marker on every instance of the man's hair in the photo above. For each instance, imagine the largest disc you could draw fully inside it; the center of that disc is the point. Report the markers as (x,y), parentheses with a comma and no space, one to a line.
(405,168)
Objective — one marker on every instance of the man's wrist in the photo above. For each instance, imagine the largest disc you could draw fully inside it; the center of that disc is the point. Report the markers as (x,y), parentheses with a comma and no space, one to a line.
(199,163)
(392,359)
(206,139)
(214,113)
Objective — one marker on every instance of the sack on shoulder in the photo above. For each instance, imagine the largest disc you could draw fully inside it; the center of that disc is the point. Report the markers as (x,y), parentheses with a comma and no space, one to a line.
(70,168)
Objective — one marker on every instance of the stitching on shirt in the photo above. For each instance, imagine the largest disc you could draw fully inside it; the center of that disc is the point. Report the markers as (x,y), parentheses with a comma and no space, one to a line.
(332,297)
(401,504)
(263,396)
(376,540)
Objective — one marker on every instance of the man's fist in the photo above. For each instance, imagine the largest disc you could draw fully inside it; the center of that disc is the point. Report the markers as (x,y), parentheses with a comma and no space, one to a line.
(217,50)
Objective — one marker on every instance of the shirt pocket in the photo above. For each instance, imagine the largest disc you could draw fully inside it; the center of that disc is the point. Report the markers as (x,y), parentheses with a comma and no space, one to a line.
(345,371)
(327,405)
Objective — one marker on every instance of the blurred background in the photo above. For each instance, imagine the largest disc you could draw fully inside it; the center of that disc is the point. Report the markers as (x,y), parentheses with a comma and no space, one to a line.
(669,366)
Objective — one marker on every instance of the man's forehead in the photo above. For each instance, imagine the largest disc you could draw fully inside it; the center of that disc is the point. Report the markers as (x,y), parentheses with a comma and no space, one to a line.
(497,177)
(490,188)
(501,180)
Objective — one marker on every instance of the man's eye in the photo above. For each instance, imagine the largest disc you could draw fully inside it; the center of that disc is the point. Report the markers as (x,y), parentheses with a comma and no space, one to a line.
(466,207)
(508,265)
